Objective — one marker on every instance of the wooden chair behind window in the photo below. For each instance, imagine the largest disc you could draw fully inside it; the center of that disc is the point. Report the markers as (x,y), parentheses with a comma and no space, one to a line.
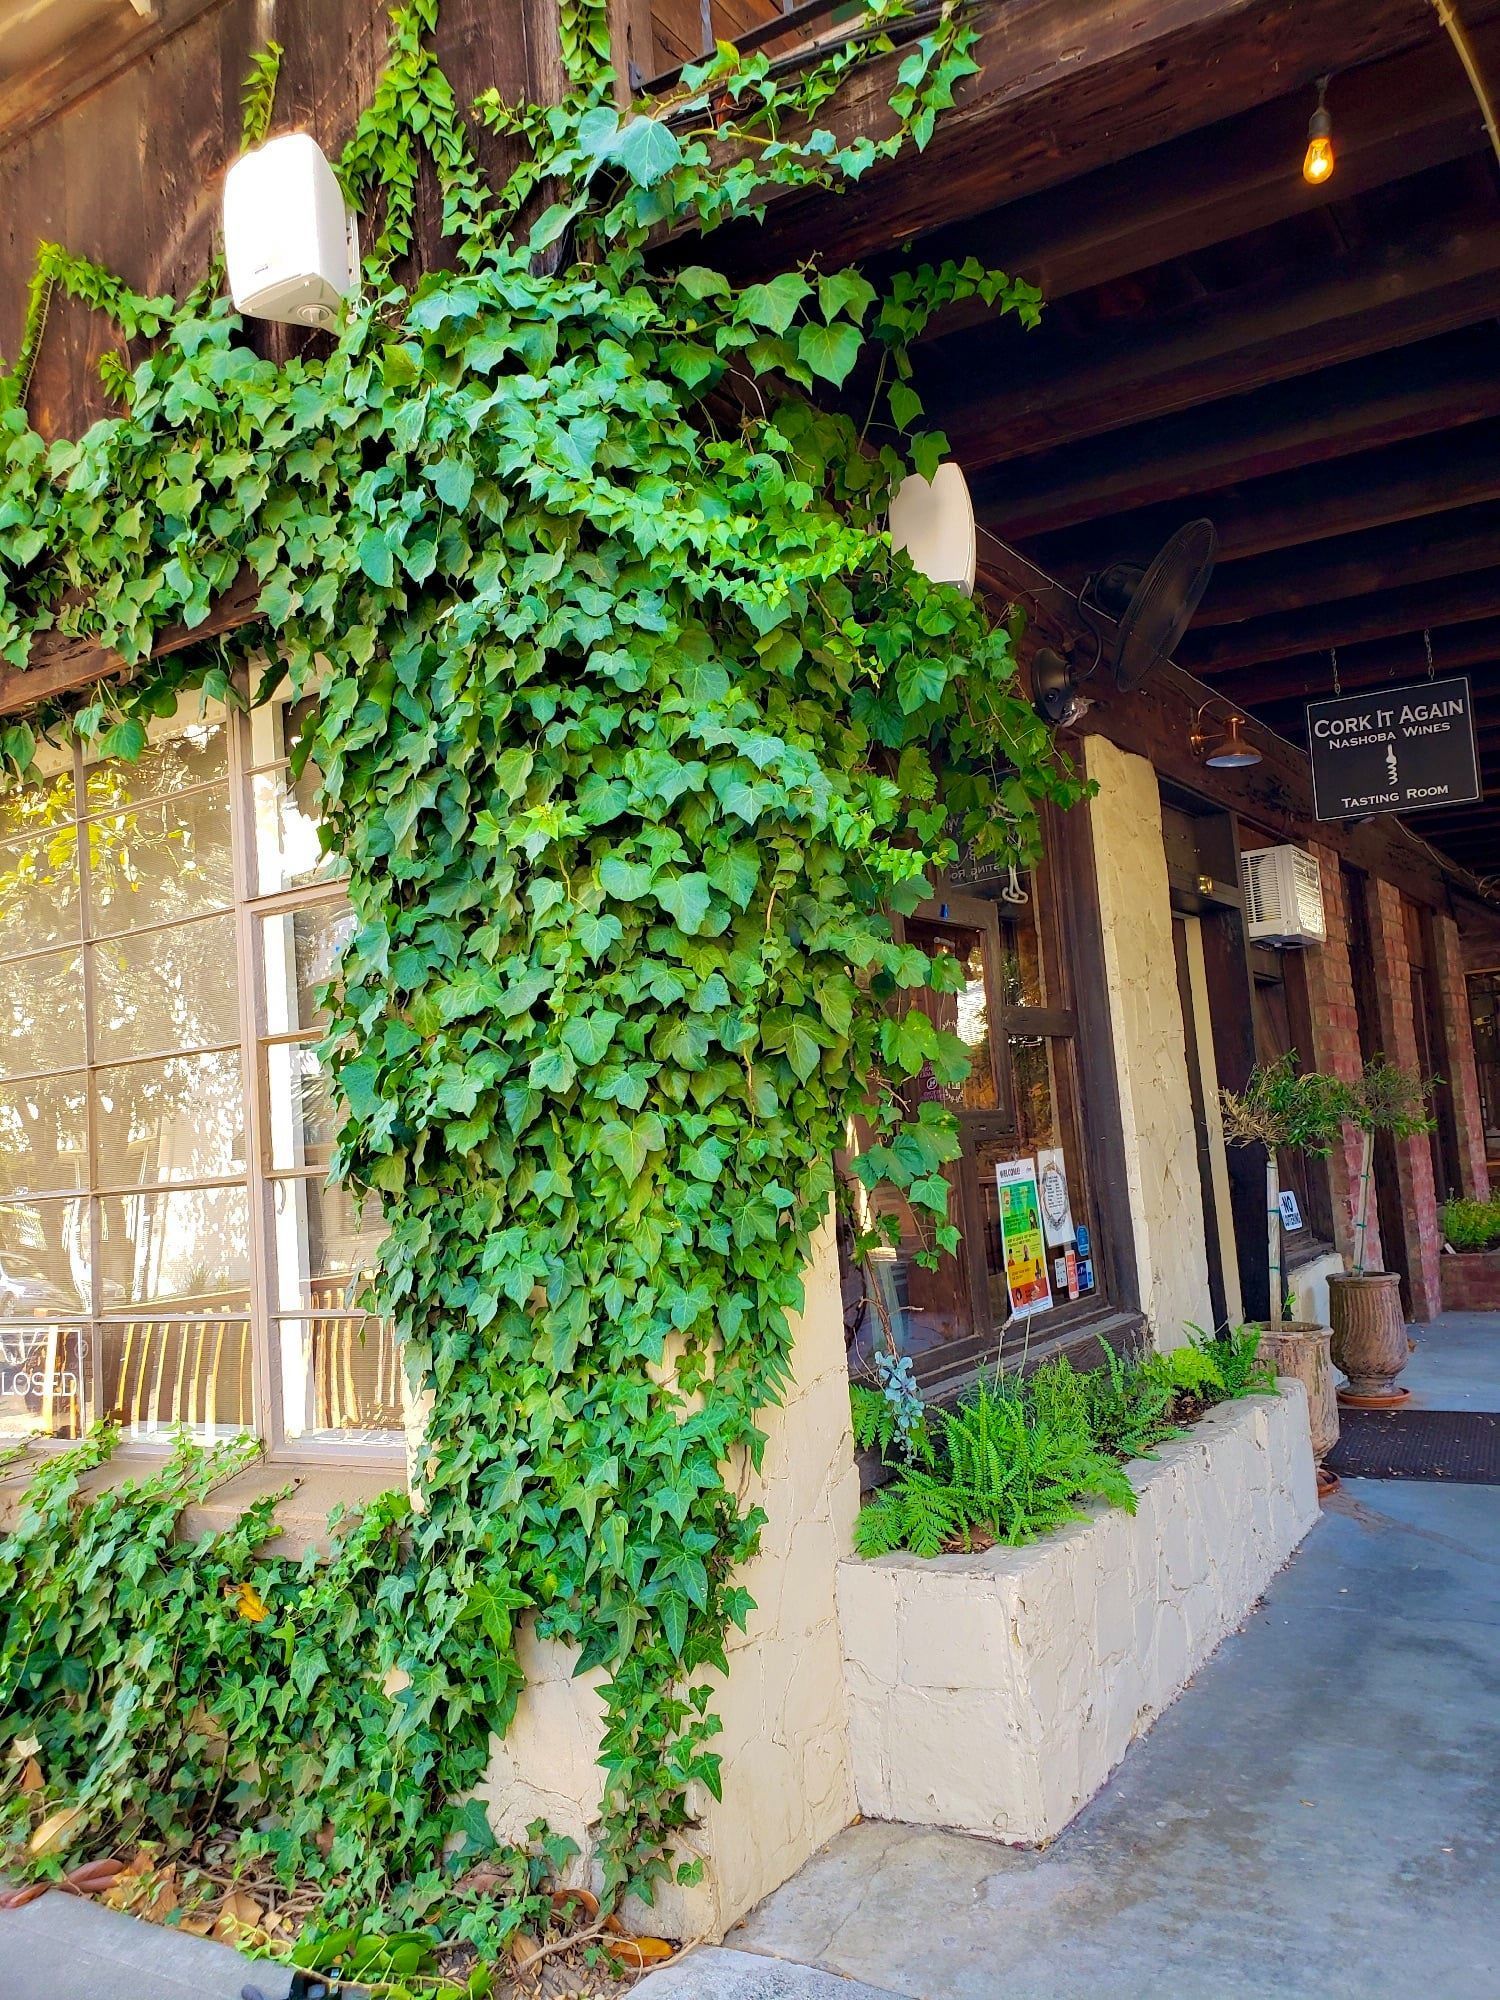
(356,1379)
(194,1371)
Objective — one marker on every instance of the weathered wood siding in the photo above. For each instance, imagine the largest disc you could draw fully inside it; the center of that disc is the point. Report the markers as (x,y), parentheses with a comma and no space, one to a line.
(130,174)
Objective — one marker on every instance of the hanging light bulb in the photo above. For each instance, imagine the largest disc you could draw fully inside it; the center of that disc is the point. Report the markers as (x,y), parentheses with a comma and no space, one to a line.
(1317,161)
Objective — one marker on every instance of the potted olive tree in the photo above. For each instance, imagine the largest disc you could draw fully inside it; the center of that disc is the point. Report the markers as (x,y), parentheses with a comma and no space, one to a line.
(1369,1327)
(1282,1111)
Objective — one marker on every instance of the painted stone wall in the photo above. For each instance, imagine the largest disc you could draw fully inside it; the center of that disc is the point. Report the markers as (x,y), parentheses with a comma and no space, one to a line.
(1218,1154)
(787,1783)
(996,1692)
(1150,1045)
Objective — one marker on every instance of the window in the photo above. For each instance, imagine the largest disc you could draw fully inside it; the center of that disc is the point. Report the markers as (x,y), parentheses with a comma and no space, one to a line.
(169,1252)
(1019,1107)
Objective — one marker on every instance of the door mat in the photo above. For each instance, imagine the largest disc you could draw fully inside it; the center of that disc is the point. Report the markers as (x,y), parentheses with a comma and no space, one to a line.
(1458,1445)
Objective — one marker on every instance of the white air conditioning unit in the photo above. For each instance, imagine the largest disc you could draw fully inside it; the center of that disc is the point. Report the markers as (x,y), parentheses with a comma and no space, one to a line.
(290,242)
(1283,896)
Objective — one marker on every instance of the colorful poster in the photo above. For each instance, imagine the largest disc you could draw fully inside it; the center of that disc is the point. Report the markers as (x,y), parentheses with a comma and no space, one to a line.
(1021,1237)
(1057,1207)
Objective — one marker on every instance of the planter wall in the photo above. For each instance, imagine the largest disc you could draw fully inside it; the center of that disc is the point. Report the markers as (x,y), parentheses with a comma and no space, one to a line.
(1471,1281)
(995,1693)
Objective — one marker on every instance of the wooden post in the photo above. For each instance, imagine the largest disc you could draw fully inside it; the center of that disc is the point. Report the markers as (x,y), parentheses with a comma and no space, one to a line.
(632,47)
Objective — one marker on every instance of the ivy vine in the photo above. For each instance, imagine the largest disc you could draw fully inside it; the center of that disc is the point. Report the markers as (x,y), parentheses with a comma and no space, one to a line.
(635,733)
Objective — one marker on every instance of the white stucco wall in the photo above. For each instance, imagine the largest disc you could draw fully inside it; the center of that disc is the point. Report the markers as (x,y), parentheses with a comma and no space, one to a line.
(1308,1285)
(1208,1072)
(786,1776)
(995,1693)
(1156,1106)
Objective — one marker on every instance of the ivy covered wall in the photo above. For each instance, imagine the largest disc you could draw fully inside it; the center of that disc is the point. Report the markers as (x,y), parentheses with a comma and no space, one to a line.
(635,733)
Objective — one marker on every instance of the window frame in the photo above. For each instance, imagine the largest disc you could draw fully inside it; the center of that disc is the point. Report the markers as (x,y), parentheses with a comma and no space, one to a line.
(1064,903)
(248,909)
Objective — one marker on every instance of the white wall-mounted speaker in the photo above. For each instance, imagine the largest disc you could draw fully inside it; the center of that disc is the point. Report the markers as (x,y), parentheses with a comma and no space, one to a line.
(290,242)
(933,521)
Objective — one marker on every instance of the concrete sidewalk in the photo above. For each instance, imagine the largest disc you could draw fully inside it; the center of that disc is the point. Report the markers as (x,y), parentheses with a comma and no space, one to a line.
(66,1948)
(1317,1818)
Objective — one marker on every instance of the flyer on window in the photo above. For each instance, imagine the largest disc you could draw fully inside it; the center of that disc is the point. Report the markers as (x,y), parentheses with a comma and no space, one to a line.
(1021,1237)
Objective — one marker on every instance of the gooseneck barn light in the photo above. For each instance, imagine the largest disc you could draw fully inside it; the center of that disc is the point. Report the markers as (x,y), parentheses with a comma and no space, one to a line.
(1223,748)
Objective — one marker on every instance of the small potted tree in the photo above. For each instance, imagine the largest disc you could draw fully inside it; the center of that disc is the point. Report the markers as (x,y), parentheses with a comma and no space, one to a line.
(1369,1327)
(1282,1111)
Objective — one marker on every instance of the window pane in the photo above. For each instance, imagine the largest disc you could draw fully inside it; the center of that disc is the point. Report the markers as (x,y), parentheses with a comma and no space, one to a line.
(44,1379)
(325,1250)
(44,1258)
(41,1013)
(300,954)
(303,1118)
(1022,983)
(188,1250)
(39,891)
(889,1293)
(189,747)
(965,1013)
(276,726)
(43,1143)
(43,802)
(173,989)
(159,1372)
(287,850)
(1036,1098)
(340,1372)
(160,863)
(179,1120)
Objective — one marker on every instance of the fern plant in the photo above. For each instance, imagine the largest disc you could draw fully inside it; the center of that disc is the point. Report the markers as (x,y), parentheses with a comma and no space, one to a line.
(1017,1457)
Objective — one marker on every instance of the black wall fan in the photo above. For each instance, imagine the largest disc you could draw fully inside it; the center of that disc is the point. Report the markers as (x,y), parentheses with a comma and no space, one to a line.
(1150,607)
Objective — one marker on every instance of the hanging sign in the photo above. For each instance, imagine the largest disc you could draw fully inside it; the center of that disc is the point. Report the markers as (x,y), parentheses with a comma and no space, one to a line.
(1291,1214)
(1401,749)
(1021,1238)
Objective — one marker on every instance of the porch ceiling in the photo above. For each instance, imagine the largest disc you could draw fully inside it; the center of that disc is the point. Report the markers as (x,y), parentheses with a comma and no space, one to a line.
(1318,371)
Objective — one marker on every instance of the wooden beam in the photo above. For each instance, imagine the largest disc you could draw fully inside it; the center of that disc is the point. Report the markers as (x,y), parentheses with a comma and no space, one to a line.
(1395,118)
(1352,566)
(1053,394)
(29,97)
(1382,615)
(1156,721)
(1309,677)
(61,665)
(1345,497)
(1359,407)
(1063,87)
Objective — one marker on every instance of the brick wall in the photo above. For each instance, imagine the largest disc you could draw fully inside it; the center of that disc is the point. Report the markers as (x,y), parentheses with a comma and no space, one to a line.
(1334,1016)
(1396,1037)
(1456,1056)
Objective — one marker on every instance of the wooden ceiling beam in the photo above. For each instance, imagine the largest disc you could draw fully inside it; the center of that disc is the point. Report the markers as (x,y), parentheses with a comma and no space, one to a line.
(1063,87)
(1360,407)
(1394,118)
(61,665)
(1156,721)
(1455,649)
(1052,394)
(1369,490)
(1354,621)
(1351,566)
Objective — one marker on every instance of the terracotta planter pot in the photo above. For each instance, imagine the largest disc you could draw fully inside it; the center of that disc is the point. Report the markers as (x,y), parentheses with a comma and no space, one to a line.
(1300,1349)
(1369,1338)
